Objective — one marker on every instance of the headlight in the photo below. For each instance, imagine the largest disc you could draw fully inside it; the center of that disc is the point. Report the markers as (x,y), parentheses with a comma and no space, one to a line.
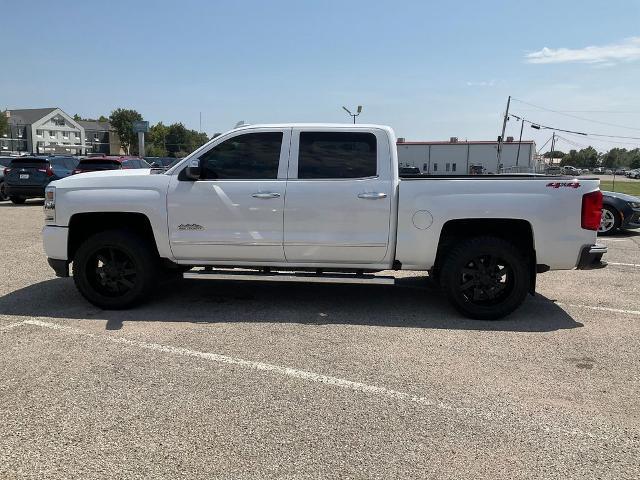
(50,204)
(634,204)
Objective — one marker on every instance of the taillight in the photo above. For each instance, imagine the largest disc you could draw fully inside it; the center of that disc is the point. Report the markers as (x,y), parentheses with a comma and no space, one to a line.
(49,171)
(591,210)
(6,171)
(76,171)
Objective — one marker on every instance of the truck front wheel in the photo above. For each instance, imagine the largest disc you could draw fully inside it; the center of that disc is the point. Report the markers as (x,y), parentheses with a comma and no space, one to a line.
(485,278)
(115,269)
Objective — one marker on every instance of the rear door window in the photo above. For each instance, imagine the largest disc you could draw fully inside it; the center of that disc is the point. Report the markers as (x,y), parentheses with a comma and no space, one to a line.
(335,155)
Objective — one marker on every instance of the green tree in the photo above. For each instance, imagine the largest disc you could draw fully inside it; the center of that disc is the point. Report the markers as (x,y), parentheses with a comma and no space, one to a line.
(554,154)
(122,122)
(180,141)
(156,139)
(4,123)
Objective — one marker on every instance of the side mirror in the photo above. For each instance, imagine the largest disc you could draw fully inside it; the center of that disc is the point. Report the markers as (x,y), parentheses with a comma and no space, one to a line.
(193,171)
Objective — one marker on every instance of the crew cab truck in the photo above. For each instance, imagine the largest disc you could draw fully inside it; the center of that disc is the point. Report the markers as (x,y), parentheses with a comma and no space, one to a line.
(318,201)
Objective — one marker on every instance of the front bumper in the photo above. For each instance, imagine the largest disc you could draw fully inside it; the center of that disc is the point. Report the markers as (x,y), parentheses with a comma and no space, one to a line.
(591,257)
(61,267)
(631,219)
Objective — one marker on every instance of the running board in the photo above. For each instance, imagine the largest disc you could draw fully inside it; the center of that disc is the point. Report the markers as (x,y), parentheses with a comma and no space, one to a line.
(288,277)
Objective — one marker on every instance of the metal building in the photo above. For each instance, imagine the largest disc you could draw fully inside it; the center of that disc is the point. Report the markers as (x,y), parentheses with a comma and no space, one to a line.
(468,157)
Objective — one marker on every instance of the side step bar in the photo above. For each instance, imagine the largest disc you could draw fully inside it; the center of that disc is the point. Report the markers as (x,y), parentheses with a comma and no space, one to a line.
(252,275)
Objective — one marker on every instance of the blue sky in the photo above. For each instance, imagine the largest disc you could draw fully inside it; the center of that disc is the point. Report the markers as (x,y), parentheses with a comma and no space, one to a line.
(431,70)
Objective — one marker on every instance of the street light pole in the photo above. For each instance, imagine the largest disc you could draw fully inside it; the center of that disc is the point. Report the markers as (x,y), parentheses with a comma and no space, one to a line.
(354,115)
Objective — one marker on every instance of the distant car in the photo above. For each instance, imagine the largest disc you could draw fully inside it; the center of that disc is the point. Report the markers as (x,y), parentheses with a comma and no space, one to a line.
(409,171)
(96,164)
(27,177)
(553,170)
(599,170)
(569,170)
(620,171)
(635,173)
(585,171)
(4,162)
(161,162)
(608,171)
(619,211)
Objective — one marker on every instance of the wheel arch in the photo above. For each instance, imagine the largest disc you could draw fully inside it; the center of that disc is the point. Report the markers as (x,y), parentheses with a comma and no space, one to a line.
(84,225)
(515,231)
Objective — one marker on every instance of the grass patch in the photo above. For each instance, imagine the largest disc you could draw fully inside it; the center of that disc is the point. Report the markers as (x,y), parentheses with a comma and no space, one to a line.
(631,188)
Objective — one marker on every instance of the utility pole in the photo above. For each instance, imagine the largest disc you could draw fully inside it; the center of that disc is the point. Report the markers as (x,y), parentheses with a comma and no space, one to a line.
(200,131)
(501,138)
(553,145)
(520,141)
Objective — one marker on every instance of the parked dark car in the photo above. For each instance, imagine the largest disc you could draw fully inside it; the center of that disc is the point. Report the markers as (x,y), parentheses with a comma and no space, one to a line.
(96,164)
(619,211)
(27,177)
(4,163)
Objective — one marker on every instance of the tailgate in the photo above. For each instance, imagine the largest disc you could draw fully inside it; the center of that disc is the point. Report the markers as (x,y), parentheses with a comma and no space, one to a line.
(28,172)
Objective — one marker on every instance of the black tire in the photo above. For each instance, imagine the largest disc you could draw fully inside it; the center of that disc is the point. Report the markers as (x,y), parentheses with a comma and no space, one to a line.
(17,200)
(611,228)
(3,195)
(485,278)
(115,269)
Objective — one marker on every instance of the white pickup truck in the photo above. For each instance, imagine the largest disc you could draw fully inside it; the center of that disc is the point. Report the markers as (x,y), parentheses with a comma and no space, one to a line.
(318,202)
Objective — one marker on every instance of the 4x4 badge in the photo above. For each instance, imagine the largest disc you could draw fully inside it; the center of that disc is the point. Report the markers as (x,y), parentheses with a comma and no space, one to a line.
(190,226)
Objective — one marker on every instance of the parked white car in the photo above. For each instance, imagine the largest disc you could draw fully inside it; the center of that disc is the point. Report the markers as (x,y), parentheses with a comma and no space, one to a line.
(318,198)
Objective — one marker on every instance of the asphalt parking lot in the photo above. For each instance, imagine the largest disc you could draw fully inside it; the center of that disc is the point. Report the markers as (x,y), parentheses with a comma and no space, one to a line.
(263,380)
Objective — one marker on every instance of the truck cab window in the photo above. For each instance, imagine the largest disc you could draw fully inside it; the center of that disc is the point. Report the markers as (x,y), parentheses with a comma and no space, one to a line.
(246,157)
(328,155)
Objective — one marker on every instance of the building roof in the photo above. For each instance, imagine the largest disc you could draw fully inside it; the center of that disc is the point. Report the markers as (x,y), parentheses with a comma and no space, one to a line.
(464,142)
(94,125)
(28,115)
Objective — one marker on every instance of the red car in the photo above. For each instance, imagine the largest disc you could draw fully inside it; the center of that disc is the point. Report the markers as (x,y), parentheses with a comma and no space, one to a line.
(98,163)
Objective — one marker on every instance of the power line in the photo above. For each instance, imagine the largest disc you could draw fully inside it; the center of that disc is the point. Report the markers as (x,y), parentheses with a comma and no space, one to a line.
(539,126)
(559,112)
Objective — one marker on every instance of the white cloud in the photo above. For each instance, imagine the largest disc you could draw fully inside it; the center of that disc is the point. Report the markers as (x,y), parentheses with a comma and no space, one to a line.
(627,50)
(489,83)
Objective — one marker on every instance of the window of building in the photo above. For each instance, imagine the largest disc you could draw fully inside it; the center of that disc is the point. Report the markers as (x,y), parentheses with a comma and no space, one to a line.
(39,133)
(337,155)
(249,156)
(453,167)
(65,135)
(424,167)
(52,134)
(447,167)
(435,167)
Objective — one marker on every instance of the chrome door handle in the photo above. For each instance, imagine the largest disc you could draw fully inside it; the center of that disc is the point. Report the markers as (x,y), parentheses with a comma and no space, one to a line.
(372,195)
(266,195)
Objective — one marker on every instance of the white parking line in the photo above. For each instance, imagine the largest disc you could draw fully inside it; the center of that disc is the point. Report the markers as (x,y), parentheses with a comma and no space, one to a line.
(488,414)
(624,264)
(599,309)
(9,326)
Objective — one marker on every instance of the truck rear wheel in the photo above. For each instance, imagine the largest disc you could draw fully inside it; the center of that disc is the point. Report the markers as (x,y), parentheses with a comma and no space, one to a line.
(485,278)
(115,269)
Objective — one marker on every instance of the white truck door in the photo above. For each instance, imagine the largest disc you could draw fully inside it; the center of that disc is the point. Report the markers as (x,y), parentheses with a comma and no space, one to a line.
(339,191)
(235,211)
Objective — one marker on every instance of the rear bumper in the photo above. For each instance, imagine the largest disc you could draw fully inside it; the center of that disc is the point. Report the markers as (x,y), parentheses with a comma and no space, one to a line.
(28,191)
(591,257)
